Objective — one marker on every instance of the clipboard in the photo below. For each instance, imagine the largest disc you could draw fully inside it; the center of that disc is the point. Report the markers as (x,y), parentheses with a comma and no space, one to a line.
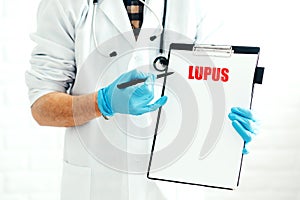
(194,142)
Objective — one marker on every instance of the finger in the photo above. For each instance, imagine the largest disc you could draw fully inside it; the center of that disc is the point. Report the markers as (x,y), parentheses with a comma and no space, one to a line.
(245,150)
(125,93)
(160,102)
(144,93)
(149,84)
(133,74)
(243,112)
(245,134)
(248,124)
(150,79)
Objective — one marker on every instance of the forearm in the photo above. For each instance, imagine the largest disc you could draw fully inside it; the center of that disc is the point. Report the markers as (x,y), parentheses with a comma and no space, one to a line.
(63,110)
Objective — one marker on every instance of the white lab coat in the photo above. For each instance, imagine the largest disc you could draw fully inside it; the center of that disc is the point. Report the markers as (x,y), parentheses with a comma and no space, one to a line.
(64,57)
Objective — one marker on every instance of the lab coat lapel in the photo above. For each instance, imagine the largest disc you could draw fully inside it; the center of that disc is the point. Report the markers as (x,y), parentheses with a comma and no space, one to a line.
(150,20)
(117,14)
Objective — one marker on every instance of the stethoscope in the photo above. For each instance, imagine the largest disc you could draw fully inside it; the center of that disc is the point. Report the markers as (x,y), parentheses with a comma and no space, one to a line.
(160,62)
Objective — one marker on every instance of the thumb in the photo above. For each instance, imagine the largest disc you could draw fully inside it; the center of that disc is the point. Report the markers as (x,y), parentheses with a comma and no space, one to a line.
(160,102)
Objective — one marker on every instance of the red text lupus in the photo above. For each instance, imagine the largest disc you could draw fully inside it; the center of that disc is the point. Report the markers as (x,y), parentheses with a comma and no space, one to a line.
(203,73)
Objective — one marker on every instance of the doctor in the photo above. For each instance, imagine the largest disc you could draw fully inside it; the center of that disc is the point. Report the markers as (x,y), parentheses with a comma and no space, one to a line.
(64,89)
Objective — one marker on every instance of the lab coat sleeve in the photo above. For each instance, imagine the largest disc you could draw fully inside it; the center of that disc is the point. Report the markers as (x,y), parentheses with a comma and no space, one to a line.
(53,66)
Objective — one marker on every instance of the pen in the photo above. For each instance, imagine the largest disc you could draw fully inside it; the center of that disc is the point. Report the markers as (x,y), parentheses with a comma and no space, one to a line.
(136,81)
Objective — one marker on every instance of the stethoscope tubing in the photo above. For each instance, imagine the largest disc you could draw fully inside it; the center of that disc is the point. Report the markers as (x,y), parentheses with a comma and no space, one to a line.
(159,60)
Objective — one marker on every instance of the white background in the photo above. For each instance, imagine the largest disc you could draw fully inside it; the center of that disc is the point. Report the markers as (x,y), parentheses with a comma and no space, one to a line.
(31,156)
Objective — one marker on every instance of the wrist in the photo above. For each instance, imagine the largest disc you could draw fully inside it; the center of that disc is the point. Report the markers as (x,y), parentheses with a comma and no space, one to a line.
(103,105)
(97,110)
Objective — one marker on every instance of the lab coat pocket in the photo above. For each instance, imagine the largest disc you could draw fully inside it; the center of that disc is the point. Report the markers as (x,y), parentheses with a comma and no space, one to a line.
(76,182)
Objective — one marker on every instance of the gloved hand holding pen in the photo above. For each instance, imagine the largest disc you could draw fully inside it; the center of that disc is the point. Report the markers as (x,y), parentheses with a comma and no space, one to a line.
(134,100)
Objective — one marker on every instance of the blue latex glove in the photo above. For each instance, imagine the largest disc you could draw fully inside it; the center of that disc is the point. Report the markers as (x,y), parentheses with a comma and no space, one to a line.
(245,124)
(132,100)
